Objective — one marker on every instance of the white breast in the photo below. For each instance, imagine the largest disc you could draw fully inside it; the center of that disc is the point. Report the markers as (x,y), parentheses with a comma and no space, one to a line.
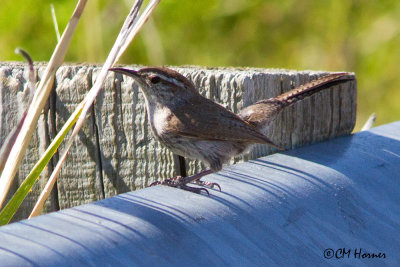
(158,118)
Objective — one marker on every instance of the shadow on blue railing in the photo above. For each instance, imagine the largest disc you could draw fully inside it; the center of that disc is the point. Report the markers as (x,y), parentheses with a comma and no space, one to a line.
(335,202)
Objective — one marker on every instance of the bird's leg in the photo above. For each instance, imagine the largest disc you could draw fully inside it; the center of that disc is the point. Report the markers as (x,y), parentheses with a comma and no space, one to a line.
(196,177)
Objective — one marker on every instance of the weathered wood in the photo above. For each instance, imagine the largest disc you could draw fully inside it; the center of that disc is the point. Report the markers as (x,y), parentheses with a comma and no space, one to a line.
(80,176)
(115,151)
(333,203)
(14,102)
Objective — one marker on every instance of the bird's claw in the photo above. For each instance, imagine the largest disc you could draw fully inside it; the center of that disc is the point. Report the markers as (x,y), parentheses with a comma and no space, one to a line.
(208,184)
(178,183)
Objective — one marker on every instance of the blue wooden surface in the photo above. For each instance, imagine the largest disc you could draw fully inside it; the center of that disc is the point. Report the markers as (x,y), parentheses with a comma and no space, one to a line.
(285,209)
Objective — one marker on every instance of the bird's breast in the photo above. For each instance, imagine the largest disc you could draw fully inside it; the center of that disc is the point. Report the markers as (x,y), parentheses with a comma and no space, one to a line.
(159,118)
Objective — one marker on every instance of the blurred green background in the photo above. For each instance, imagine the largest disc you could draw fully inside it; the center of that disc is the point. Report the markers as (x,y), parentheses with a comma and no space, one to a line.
(362,36)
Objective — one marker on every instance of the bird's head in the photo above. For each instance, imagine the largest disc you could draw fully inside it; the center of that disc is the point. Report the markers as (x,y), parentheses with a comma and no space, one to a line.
(160,84)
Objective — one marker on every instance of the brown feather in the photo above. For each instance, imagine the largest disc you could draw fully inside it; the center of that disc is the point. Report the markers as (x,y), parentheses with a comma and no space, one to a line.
(225,125)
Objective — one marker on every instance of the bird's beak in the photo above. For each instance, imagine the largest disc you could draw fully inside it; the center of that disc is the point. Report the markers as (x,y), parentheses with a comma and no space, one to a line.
(131,73)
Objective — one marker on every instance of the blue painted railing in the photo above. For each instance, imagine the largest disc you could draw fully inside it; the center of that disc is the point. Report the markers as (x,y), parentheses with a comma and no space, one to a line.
(337,202)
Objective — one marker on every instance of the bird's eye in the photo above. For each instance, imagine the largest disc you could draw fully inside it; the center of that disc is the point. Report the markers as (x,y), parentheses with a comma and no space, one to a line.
(155,79)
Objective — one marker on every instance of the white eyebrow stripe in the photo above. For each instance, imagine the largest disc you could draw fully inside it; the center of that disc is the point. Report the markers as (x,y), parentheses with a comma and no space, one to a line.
(172,80)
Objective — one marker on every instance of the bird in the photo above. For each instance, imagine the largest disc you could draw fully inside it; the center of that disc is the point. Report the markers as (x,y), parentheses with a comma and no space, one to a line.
(193,126)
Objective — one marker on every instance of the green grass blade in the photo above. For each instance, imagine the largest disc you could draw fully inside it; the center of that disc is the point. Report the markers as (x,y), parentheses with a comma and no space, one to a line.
(12,206)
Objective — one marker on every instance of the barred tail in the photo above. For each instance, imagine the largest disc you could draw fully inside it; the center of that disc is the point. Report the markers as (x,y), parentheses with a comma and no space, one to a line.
(262,113)
(308,89)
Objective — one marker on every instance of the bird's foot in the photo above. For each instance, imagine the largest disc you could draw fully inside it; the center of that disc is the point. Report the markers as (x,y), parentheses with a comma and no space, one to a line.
(173,182)
(178,182)
(196,179)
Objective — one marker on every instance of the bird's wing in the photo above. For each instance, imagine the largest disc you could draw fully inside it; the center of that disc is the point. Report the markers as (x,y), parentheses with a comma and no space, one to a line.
(205,120)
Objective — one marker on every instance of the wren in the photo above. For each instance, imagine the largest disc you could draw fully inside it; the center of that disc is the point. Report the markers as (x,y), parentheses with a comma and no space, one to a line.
(193,126)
